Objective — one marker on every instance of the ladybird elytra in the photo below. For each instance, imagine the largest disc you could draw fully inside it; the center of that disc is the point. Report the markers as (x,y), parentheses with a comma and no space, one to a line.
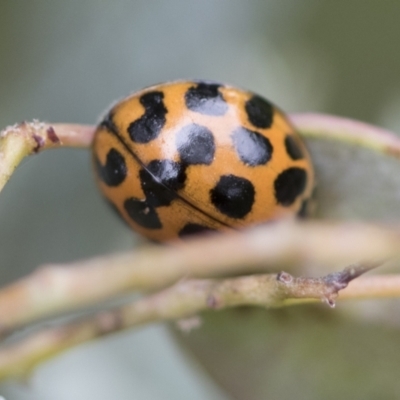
(184,157)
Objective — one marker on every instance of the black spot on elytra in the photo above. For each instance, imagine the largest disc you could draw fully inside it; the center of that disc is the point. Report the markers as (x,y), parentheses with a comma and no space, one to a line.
(233,196)
(149,125)
(195,145)
(205,98)
(191,229)
(160,180)
(252,147)
(114,171)
(289,184)
(260,112)
(142,213)
(292,148)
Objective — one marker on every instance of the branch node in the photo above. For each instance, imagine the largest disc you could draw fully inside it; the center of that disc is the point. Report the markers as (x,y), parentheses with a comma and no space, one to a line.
(52,136)
(284,277)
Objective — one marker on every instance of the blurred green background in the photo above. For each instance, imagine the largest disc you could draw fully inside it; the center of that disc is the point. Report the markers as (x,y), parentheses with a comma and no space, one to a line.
(67,61)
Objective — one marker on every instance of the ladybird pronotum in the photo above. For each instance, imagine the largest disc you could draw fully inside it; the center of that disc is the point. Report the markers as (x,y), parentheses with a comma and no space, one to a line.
(185,157)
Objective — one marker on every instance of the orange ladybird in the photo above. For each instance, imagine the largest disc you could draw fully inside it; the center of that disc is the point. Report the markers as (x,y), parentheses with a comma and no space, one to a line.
(185,157)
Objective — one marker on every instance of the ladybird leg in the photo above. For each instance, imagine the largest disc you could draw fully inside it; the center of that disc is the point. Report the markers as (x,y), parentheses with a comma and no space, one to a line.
(21,140)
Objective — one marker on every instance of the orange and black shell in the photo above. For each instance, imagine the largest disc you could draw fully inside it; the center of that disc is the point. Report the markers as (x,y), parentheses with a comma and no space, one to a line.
(185,157)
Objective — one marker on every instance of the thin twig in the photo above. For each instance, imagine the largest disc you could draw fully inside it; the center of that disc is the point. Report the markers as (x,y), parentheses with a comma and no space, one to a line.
(320,126)
(182,300)
(21,140)
(289,246)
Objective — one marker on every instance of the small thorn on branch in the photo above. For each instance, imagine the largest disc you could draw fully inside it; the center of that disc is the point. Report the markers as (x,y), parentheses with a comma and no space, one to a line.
(326,288)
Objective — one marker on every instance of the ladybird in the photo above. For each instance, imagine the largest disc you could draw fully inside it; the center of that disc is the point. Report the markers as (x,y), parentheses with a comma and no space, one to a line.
(186,157)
